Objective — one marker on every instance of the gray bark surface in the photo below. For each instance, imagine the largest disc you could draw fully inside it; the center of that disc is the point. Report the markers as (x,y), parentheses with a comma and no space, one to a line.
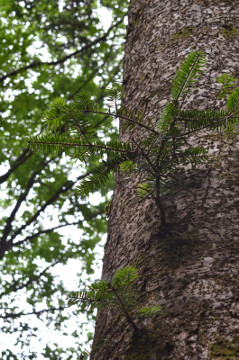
(191,266)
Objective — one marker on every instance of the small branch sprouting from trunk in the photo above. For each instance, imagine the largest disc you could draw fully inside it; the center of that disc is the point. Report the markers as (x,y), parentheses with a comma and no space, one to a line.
(159,202)
(127,315)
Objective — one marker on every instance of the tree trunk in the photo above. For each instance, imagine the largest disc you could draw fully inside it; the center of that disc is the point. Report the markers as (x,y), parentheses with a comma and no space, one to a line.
(190,267)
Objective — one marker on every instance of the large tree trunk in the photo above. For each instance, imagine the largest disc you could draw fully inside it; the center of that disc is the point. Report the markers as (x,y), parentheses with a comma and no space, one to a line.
(191,266)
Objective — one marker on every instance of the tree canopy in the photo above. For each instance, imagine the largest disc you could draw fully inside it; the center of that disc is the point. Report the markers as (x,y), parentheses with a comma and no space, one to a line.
(49,49)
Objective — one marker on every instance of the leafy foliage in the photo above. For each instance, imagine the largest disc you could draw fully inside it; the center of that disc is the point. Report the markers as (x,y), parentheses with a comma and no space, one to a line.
(49,49)
(164,149)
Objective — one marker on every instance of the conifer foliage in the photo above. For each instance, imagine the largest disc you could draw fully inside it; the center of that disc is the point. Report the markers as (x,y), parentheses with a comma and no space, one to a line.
(117,294)
(164,150)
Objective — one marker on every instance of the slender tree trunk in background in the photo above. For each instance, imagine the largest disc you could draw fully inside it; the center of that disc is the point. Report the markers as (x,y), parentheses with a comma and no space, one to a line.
(191,266)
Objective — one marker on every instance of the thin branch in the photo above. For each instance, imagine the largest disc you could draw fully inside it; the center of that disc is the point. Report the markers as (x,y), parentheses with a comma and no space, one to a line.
(109,56)
(47,231)
(224,119)
(123,118)
(19,161)
(15,286)
(159,202)
(146,157)
(80,128)
(8,226)
(117,69)
(4,245)
(127,315)
(64,188)
(37,313)
(63,59)
(80,145)
(84,84)
(90,301)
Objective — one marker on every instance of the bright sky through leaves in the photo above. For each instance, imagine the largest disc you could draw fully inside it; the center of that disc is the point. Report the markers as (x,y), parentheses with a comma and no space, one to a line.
(39,192)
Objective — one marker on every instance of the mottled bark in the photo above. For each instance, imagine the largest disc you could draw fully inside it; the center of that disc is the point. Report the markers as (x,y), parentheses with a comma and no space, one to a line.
(191,266)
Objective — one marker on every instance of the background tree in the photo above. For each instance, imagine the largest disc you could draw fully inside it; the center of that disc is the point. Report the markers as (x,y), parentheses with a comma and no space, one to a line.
(49,49)
(190,266)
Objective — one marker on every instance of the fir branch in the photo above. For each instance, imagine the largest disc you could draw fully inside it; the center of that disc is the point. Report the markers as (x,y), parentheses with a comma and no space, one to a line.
(123,118)
(80,128)
(188,73)
(208,126)
(127,315)
(163,151)
(146,157)
(100,175)
(31,141)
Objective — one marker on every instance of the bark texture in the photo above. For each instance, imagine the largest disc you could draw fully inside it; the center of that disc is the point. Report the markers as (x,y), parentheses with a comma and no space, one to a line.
(191,266)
